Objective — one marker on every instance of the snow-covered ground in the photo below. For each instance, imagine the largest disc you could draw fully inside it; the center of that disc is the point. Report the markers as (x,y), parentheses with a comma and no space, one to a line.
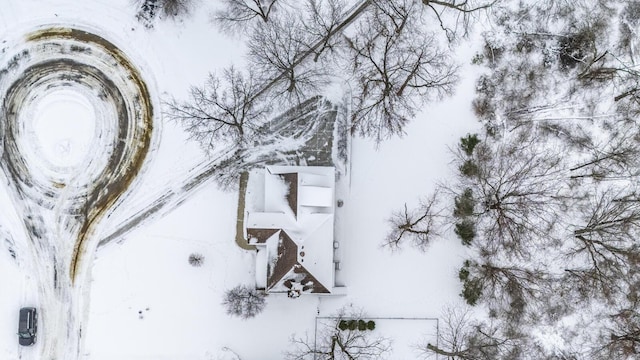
(143,300)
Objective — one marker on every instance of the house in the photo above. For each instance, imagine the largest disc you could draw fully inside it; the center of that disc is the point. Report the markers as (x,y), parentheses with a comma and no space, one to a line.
(293,230)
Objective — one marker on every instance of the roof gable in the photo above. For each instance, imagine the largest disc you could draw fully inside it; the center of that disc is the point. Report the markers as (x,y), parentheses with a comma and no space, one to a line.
(285,258)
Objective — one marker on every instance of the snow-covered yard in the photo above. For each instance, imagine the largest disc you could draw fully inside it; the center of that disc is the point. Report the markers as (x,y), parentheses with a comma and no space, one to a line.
(143,300)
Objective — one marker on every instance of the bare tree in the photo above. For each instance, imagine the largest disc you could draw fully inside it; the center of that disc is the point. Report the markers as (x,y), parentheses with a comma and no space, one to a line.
(397,66)
(543,76)
(236,13)
(333,343)
(627,75)
(315,32)
(519,187)
(223,111)
(507,289)
(244,302)
(417,226)
(622,336)
(617,158)
(605,249)
(451,14)
(275,51)
(323,20)
(463,338)
(454,16)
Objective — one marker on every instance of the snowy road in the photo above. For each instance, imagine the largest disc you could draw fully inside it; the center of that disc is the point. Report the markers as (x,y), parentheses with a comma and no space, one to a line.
(64,182)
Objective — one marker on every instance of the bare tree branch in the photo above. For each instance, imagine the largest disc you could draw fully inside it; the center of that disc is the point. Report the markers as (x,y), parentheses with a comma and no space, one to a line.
(397,66)
(275,51)
(461,12)
(236,13)
(605,249)
(223,111)
(520,188)
(510,289)
(463,338)
(244,302)
(417,226)
(618,157)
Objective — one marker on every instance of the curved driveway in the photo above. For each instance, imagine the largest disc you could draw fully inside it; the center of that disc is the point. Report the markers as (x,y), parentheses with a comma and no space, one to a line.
(62,202)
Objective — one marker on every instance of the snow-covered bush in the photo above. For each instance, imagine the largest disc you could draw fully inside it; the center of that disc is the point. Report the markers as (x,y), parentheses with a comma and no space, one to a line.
(361,325)
(196,259)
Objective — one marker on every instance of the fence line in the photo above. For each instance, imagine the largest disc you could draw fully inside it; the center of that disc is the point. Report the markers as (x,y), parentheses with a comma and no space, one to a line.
(315,331)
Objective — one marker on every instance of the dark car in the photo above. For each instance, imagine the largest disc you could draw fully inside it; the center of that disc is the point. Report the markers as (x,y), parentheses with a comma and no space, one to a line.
(27,326)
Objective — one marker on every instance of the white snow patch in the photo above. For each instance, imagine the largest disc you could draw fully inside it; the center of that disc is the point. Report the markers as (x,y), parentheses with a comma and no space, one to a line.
(64,124)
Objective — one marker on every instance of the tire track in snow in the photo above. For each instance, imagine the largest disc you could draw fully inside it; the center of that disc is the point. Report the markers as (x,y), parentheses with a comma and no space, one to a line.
(62,204)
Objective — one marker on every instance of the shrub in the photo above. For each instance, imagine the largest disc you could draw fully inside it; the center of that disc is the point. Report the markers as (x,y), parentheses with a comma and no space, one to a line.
(471,291)
(579,45)
(196,259)
(483,108)
(469,168)
(343,325)
(359,325)
(477,59)
(468,143)
(464,204)
(463,274)
(466,231)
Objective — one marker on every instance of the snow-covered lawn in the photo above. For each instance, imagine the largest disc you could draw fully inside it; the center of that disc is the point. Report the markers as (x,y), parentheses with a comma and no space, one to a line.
(145,300)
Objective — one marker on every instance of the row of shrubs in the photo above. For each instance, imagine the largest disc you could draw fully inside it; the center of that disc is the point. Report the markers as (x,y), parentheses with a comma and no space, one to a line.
(465,227)
(464,203)
(356,325)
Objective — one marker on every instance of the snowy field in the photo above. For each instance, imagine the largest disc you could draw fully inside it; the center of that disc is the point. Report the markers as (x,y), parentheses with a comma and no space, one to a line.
(139,297)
